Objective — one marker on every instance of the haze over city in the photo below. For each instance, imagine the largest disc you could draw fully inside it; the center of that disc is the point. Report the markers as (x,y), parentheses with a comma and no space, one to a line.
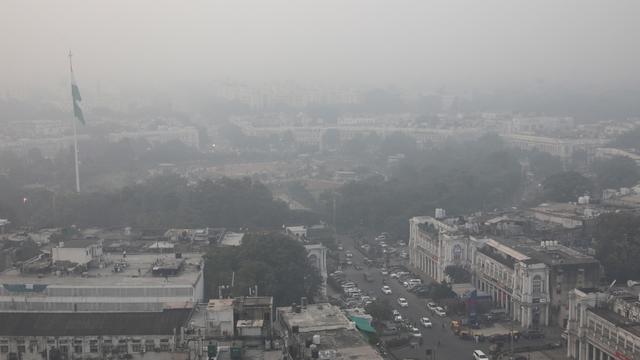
(297,180)
(156,46)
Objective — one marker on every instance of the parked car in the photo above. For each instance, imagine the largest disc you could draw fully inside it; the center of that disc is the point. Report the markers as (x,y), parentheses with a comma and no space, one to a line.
(479,355)
(426,322)
(386,290)
(415,332)
(403,302)
(384,271)
(432,306)
(440,312)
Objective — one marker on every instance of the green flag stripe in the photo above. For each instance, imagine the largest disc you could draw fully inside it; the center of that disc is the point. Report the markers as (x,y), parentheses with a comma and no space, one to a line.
(77,108)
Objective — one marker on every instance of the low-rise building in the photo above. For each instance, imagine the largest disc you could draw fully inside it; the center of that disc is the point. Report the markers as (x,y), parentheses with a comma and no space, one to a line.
(38,335)
(135,282)
(321,331)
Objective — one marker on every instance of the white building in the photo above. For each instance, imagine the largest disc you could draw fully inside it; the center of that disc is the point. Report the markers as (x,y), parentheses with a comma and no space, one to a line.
(529,280)
(81,252)
(595,332)
(140,282)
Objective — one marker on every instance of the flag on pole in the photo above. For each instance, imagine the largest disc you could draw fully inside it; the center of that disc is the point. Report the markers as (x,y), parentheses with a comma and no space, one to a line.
(75,94)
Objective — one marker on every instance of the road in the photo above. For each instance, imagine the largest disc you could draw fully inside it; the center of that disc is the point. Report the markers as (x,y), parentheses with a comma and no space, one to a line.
(451,347)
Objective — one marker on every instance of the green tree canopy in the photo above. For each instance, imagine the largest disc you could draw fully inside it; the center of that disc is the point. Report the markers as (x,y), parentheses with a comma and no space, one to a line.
(380,310)
(277,264)
(544,164)
(616,172)
(565,186)
(618,245)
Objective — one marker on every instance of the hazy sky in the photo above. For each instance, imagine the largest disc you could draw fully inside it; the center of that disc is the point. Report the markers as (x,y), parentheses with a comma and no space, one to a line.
(151,44)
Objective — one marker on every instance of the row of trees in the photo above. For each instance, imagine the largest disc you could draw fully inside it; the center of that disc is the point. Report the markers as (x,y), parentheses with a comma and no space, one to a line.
(161,202)
(459,177)
(610,173)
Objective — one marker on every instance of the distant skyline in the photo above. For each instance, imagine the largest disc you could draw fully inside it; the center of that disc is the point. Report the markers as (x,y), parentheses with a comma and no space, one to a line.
(151,46)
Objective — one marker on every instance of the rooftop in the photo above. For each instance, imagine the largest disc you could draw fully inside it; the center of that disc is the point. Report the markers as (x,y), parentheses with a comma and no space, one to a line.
(136,272)
(618,320)
(316,317)
(92,324)
(220,305)
(232,239)
(344,344)
(526,250)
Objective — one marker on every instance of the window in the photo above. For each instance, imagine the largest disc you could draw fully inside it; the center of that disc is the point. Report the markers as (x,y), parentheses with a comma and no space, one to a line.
(93,346)
(537,285)
(77,346)
(457,253)
(122,345)
(164,345)
(4,349)
(136,346)
(33,346)
(107,345)
(149,344)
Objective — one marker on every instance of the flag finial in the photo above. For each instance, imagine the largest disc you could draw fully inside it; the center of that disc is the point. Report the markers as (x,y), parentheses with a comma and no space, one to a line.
(70,63)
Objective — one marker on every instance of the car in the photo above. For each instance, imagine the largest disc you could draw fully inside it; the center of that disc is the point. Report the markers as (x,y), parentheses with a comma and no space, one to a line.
(403,302)
(348,254)
(349,262)
(393,275)
(415,332)
(426,322)
(395,312)
(340,248)
(386,290)
(397,318)
(357,267)
(440,312)
(384,271)
(479,355)
(432,306)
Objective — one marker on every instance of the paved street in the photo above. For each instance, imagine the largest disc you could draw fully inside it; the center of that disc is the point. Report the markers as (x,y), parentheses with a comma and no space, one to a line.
(451,346)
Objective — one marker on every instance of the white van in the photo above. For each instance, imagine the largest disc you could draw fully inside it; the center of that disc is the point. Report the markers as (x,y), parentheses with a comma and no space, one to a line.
(479,355)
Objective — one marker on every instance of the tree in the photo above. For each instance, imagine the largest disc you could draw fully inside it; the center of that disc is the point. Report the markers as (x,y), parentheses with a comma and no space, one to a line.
(380,310)
(616,172)
(275,263)
(617,244)
(544,164)
(457,274)
(565,186)
(440,291)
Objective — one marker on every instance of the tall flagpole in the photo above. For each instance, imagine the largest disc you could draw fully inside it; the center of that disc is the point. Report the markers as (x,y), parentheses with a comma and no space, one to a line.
(75,133)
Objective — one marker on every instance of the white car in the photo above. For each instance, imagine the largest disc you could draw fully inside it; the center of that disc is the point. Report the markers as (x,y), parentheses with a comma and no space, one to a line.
(397,318)
(386,290)
(440,312)
(432,306)
(384,271)
(393,276)
(415,332)
(426,322)
(403,302)
(479,355)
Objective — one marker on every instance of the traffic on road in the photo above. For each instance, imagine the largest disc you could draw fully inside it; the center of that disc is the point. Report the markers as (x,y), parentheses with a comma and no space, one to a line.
(425,323)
